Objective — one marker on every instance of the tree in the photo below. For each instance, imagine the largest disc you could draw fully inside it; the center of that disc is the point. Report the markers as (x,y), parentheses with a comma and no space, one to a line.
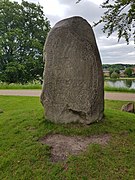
(128,72)
(114,75)
(112,70)
(117,70)
(23,30)
(14,73)
(119,17)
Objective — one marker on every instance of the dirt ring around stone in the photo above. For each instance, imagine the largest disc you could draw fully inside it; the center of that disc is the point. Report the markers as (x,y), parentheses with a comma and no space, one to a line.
(62,146)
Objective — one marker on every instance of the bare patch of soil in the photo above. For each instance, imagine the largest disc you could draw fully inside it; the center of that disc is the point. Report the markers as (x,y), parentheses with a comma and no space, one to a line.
(63,146)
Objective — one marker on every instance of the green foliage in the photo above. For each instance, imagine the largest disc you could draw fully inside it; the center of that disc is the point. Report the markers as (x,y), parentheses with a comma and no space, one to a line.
(119,17)
(14,72)
(111,70)
(128,72)
(114,72)
(22,156)
(117,66)
(114,75)
(23,30)
(117,70)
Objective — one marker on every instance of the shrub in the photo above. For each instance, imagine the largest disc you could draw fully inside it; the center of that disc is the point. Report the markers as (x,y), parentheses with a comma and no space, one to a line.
(114,75)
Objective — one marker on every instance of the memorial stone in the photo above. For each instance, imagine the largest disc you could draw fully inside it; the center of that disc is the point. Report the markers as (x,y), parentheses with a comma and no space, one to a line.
(73,88)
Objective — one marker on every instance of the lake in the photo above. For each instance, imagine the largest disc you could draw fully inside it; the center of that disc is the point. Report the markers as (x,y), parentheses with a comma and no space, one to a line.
(125,83)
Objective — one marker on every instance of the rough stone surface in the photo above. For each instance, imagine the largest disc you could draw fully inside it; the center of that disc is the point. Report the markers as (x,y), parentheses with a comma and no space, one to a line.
(73,78)
(129,107)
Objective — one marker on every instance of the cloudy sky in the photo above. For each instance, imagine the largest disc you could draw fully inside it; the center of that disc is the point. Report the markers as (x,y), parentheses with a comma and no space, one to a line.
(110,50)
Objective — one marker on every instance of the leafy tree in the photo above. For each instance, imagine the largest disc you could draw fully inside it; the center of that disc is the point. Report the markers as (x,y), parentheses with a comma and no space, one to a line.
(128,72)
(114,75)
(14,73)
(117,66)
(111,71)
(119,17)
(23,30)
(117,70)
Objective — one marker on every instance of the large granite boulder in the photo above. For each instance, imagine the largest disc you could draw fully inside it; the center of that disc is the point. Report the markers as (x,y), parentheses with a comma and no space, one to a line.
(73,88)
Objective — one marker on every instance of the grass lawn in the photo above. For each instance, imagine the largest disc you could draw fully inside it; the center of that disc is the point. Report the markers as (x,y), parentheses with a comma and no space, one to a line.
(121,78)
(115,89)
(14,86)
(22,156)
(20,86)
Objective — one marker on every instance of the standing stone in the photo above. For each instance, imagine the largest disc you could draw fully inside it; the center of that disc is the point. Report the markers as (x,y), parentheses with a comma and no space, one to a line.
(73,88)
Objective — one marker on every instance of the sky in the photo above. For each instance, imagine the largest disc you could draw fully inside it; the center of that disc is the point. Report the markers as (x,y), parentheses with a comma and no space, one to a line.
(111,51)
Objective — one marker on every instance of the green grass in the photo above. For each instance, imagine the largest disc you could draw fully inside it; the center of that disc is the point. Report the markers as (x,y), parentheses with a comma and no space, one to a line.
(39,86)
(22,156)
(20,86)
(121,78)
(115,89)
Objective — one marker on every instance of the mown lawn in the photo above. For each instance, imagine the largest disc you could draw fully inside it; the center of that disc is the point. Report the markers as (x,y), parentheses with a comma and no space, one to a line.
(22,156)
(20,86)
(116,89)
(15,86)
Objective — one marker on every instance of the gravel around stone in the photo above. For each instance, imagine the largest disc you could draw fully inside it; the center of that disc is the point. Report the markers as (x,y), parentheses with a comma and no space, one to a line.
(63,146)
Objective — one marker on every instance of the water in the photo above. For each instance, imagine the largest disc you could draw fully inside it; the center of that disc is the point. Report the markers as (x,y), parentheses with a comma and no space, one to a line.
(126,83)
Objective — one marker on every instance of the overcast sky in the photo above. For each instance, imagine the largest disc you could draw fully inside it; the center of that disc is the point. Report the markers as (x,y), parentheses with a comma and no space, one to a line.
(110,50)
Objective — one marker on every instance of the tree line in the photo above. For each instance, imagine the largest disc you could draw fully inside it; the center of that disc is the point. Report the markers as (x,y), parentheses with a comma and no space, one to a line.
(117,70)
(23,30)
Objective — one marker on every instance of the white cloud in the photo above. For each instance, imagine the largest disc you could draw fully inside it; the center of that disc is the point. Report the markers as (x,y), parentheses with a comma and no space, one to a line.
(131,54)
(53,7)
(110,49)
(98,2)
